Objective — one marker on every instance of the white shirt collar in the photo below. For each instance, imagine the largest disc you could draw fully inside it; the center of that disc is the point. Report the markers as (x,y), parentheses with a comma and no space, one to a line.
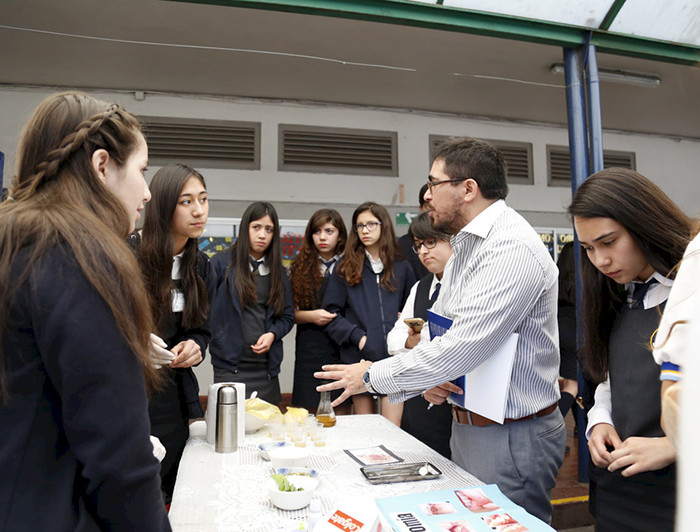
(335,258)
(177,262)
(482,222)
(377,265)
(263,269)
(657,293)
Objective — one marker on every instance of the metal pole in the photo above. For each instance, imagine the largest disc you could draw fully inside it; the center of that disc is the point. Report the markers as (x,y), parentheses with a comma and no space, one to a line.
(578,150)
(594,116)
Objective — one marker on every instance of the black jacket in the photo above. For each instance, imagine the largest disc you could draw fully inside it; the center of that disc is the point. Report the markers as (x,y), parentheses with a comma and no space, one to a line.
(75,452)
(365,309)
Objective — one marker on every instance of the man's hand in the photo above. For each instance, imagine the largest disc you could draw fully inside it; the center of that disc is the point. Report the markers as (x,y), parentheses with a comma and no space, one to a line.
(642,454)
(602,436)
(263,344)
(187,354)
(439,394)
(347,376)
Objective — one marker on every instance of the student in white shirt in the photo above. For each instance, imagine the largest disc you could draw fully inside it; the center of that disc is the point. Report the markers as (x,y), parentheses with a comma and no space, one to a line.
(429,425)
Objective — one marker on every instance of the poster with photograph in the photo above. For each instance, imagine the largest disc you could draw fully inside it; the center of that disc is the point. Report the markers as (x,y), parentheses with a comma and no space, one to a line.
(469,509)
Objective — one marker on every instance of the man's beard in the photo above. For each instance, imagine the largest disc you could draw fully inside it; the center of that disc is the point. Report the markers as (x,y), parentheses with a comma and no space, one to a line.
(451,225)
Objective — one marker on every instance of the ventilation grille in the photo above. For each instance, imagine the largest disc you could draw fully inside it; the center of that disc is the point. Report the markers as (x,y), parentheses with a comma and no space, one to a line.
(518,157)
(203,143)
(559,164)
(337,150)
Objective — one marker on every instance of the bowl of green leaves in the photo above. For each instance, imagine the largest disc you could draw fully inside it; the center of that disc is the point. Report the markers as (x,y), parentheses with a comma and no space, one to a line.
(291,491)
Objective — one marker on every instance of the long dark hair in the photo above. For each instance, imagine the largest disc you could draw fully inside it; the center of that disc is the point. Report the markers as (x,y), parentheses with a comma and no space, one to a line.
(354,259)
(156,250)
(657,226)
(240,259)
(567,275)
(305,272)
(58,199)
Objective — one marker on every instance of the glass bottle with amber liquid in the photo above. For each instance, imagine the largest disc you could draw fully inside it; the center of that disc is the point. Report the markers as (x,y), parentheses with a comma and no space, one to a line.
(324,412)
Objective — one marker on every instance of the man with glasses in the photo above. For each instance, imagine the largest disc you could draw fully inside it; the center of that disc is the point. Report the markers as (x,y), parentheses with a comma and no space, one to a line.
(499,281)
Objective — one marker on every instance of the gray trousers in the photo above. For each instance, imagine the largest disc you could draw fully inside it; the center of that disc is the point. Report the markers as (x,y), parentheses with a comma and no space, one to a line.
(522,458)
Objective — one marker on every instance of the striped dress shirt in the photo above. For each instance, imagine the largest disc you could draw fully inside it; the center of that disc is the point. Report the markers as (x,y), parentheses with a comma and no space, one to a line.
(500,280)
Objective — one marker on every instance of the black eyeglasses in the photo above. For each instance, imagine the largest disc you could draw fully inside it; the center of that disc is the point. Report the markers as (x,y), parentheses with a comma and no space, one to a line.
(428,243)
(371,226)
(433,184)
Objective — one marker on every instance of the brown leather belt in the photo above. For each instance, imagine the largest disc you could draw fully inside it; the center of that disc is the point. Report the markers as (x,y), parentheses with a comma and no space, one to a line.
(466,417)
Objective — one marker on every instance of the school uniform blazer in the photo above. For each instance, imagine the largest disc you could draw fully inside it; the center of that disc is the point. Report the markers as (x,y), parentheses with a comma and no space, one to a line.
(227,339)
(75,452)
(365,309)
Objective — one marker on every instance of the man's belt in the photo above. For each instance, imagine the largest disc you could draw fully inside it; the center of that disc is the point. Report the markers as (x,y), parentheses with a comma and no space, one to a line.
(466,417)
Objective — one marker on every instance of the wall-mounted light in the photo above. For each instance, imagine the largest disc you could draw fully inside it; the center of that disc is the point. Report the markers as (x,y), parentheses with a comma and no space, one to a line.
(617,76)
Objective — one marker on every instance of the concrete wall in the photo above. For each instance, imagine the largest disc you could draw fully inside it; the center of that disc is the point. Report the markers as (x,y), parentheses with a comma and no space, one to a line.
(672,163)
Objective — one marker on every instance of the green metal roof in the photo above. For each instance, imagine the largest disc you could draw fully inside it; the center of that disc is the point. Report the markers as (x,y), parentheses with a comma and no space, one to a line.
(666,31)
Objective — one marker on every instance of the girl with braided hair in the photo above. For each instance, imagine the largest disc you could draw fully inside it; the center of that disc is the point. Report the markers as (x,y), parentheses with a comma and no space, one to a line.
(74,323)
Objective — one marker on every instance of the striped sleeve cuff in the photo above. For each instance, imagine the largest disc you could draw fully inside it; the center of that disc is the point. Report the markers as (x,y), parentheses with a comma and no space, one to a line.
(670,372)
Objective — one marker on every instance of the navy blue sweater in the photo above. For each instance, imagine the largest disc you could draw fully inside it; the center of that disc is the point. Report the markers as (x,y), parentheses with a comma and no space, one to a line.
(74,451)
(227,339)
(365,309)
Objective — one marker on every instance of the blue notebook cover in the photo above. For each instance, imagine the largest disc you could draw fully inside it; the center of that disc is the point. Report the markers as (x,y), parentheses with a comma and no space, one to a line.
(437,326)
(470,509)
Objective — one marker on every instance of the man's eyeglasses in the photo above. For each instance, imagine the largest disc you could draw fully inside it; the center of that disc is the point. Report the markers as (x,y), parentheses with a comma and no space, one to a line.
(433,184)
(370,226)
(428,243)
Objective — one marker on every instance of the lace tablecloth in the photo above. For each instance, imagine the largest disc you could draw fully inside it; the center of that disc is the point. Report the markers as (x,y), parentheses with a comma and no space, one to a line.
(227,493)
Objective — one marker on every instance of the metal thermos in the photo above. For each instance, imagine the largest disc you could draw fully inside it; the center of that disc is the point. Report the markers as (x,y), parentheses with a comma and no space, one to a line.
(226,420)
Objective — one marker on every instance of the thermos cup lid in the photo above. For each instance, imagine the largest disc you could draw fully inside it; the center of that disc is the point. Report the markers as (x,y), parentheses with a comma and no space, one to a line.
(227,396)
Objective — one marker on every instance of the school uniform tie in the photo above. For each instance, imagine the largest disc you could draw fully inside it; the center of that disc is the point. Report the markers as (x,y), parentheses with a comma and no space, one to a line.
(435,295)
(256,265)
(329,264)
(640,290)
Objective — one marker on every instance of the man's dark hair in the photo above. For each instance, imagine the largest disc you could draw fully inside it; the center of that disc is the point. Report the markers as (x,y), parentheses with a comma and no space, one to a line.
(469,158)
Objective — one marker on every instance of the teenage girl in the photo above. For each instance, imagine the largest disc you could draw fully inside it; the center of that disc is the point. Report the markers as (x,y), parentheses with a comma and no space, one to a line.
(322,246)
(253,308)
(181,283)
(367,290)
(74,327)
(633,235)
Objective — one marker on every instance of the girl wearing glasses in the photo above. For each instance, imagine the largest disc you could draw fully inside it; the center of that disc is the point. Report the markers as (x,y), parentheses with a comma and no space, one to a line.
(322,247)
(433,249)
(633,235)
(181,284)
(253,308)
(367,290)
